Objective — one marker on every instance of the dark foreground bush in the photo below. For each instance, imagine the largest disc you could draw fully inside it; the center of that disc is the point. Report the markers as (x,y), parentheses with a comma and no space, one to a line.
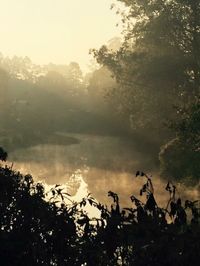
(38,228)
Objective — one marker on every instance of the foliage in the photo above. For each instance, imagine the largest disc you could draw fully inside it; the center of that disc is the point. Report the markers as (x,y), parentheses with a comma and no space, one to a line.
(33,231)
(3,154)
(188,126)
(37,101)
(157,70)
(157,65)
(180,157)
(39,228)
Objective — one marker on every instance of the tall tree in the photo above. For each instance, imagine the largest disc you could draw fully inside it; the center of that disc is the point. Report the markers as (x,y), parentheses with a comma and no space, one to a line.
(157,65)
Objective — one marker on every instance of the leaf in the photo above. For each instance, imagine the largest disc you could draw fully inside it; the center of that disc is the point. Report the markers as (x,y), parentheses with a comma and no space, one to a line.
(90,201)
(67,194)
(137,173)
(151,203)
(167,187)
(173,208)
(81,221)
(129,209)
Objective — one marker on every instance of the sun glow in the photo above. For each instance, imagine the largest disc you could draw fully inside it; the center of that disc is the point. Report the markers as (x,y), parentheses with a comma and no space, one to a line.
(56,31)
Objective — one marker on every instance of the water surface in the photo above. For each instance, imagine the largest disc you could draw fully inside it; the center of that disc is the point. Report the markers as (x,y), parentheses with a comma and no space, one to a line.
(102,163)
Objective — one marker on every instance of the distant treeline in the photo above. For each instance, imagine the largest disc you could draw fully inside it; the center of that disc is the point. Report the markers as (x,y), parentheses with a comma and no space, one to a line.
(37,101)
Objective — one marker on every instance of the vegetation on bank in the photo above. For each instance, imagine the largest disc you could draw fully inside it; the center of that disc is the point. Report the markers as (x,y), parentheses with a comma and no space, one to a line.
(157,73)
(48,228)
(145,88)
(39,101)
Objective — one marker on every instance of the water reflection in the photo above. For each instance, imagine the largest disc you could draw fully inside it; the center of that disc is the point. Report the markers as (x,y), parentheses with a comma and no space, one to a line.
(104,164)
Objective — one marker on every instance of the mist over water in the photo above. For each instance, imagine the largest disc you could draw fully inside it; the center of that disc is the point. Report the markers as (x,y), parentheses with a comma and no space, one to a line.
(94,164)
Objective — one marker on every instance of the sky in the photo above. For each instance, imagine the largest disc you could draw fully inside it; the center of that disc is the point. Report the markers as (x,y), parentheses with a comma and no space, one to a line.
(58,31)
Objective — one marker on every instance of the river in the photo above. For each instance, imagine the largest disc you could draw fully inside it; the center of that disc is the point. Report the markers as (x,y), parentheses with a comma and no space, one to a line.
(94,164)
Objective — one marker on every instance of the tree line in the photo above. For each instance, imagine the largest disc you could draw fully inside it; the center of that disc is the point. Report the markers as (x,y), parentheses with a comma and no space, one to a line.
(37,101)
(157,73)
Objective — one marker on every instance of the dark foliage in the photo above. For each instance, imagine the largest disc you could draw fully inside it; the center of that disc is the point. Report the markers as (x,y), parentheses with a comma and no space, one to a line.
(179,158)
(3,154)
(39,228)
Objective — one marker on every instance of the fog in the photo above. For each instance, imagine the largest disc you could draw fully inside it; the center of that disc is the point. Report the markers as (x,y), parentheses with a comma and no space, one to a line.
(62,117)
(95,165)
(57,121)
(99,132)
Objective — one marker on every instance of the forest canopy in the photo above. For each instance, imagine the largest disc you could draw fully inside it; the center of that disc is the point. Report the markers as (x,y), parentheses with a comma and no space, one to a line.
(157,70)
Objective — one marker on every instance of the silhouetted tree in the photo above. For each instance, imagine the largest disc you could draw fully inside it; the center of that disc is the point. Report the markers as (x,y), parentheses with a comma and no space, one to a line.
(48,228)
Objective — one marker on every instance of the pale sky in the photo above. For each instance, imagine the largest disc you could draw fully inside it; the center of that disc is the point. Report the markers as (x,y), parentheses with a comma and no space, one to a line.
(57,31)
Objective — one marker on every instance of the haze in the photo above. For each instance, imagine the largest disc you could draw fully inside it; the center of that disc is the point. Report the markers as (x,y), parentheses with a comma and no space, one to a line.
(56,31)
